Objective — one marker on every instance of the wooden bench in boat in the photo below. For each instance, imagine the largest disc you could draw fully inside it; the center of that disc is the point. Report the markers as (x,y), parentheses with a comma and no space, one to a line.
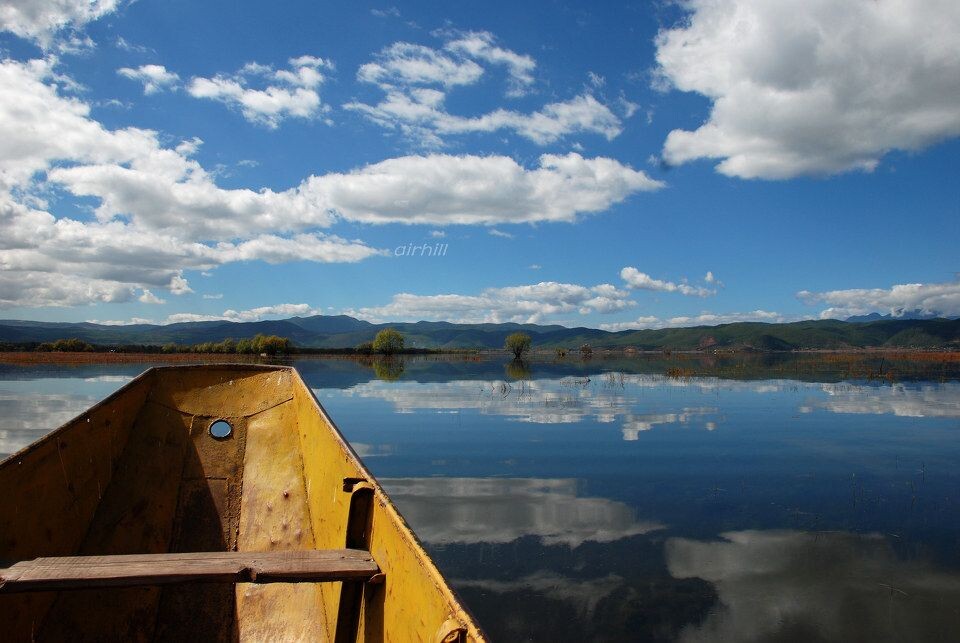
(84,572)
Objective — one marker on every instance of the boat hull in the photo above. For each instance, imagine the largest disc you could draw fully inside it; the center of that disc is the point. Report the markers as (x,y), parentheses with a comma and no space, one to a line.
(141,473)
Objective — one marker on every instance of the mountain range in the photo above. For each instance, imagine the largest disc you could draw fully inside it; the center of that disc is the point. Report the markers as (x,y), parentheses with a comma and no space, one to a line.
(341,331)
(917,313)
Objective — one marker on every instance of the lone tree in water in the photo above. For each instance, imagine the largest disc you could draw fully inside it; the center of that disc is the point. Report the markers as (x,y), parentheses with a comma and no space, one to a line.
(388,341)
(518,344)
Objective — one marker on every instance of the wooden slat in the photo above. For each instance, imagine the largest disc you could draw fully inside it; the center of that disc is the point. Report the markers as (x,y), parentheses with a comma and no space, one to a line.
(77,572)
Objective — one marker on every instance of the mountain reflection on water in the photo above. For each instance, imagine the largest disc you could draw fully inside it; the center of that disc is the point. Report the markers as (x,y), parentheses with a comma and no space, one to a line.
(606,501)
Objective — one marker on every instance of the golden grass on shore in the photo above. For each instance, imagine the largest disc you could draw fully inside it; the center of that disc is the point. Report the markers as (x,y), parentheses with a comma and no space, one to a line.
(948,357)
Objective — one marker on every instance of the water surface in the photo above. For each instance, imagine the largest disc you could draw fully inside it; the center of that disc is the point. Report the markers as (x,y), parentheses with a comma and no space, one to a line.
(604,500)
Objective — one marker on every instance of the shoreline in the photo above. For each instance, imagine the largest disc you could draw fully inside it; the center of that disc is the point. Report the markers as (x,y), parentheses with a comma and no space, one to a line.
(33,357)
(25,357)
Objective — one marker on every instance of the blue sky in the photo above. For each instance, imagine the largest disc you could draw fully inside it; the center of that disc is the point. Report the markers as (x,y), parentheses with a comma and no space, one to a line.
(615,165)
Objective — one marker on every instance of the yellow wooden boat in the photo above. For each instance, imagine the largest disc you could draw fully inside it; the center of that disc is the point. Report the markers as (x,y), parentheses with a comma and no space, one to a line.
(210,503)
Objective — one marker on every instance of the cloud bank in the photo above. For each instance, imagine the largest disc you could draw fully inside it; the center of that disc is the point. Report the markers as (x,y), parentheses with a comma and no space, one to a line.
(158,212)
(416,79)
(703,319)
(804,87)
(931,299)
(533,303)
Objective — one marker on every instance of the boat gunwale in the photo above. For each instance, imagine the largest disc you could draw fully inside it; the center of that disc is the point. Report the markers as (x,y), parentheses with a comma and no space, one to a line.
(438,579)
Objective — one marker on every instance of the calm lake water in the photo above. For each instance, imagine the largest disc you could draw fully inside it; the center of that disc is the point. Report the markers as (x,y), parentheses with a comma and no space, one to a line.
(603,500)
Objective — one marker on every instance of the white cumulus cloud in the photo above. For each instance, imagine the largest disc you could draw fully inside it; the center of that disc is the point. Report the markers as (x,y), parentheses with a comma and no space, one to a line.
(42,20)
(703,319)
(533,303)
(319,248)
(481,45)
(804,87)
(642,281)
(930,299)
(159,212)
(404,63)
(441,189)
(250,315)
(149,298)
(416,79)
(286,92)
(155,78)
(277,310)
(421,116)
(142,238)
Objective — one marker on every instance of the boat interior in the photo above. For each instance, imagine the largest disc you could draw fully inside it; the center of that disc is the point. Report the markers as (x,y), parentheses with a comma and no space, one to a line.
(196,461)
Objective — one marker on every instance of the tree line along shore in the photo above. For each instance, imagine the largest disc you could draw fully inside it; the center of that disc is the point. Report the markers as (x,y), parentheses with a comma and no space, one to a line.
(387,342)
(391,342)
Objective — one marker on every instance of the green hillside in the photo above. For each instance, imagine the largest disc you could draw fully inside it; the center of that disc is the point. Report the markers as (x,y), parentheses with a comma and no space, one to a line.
(346,332)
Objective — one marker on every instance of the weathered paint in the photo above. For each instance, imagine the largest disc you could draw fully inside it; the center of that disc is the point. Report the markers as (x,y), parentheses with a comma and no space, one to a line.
(138,473)
(274,516)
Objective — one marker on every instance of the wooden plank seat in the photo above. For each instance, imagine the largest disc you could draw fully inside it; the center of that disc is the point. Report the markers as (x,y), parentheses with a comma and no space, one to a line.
(83,572)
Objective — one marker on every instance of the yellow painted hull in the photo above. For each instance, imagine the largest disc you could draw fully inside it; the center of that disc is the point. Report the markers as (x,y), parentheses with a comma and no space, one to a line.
(140,473)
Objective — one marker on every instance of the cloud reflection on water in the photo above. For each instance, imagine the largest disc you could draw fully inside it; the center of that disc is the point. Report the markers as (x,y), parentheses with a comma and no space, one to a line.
(583,595)
(30,409)
(27,417)
(616,397)
(794,585)
(904,400)
(602,398)
(365,450)
(500,510)
(633,425)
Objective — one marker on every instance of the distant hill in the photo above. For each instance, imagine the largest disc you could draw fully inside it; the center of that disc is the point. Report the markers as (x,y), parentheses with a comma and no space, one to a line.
(902,314)
(341,331)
